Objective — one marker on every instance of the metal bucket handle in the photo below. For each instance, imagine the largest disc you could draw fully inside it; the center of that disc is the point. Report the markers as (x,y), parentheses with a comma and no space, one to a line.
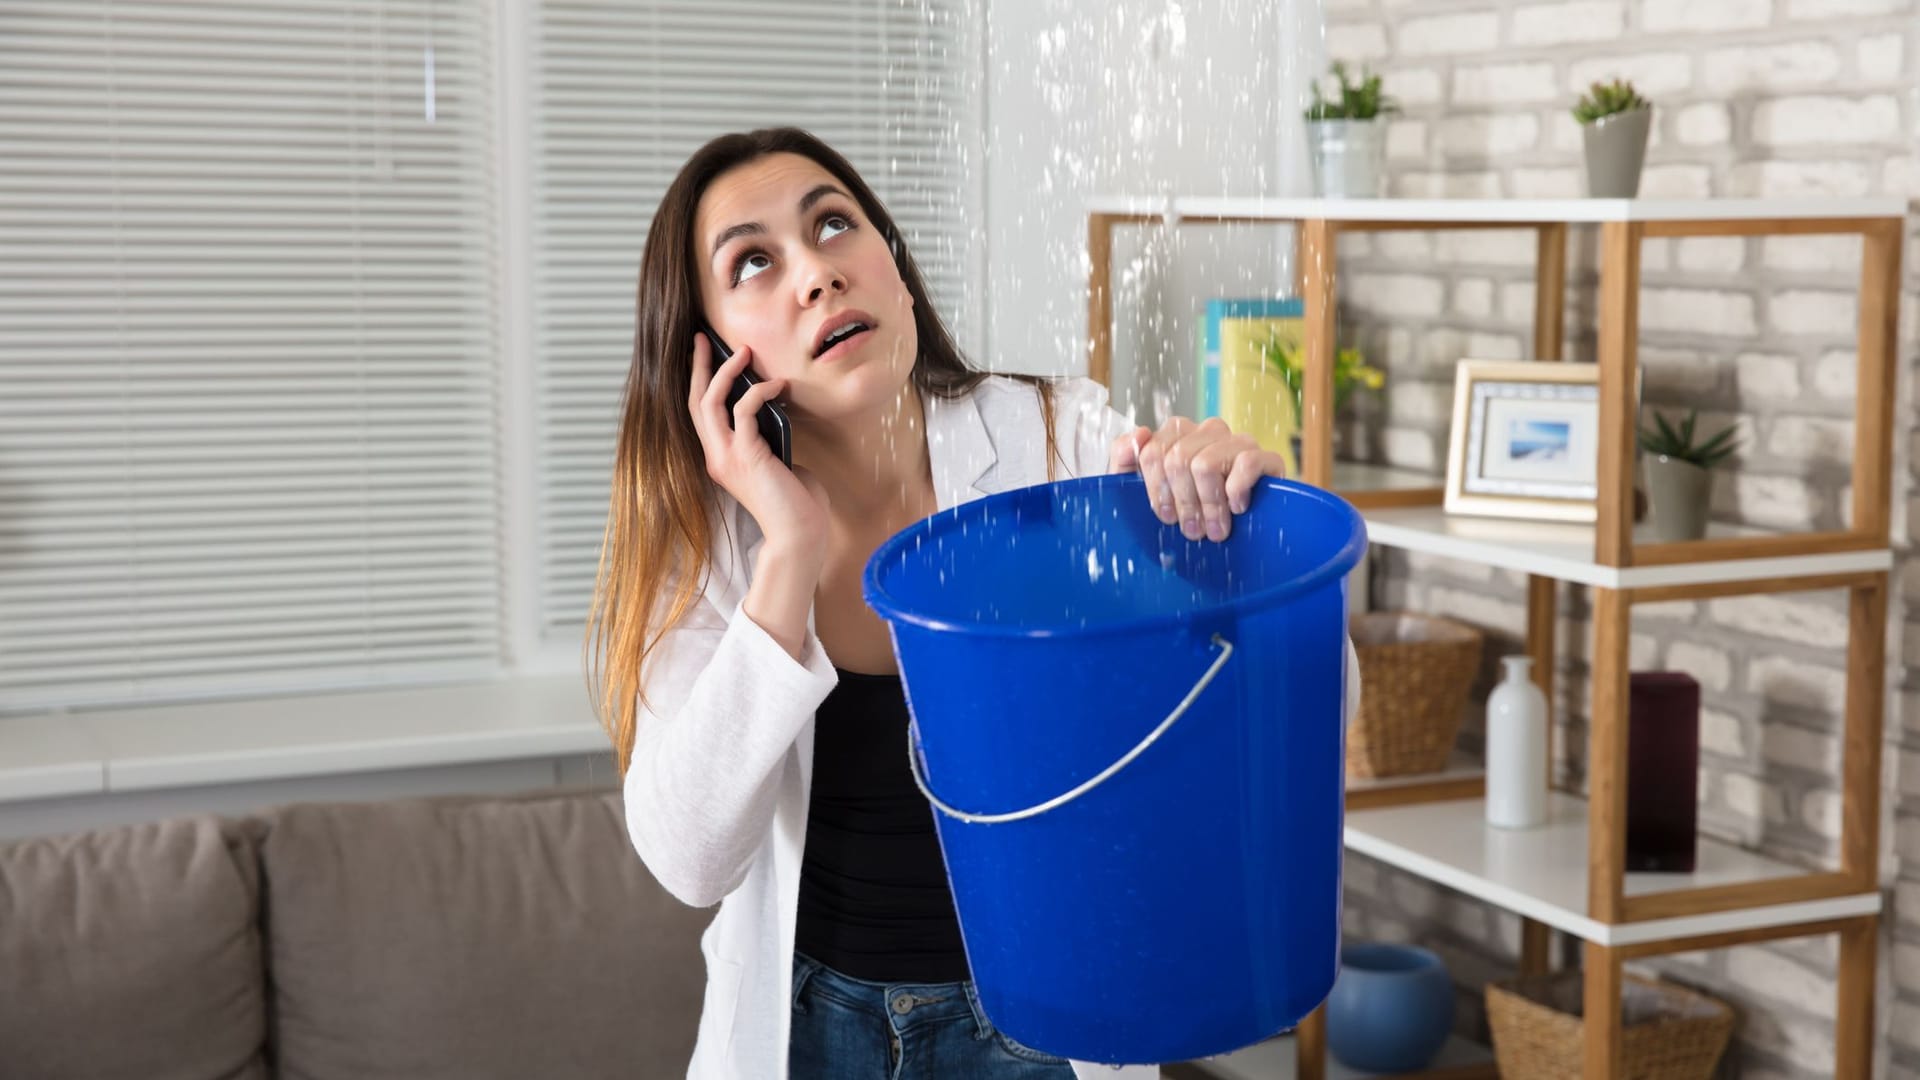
(913,759)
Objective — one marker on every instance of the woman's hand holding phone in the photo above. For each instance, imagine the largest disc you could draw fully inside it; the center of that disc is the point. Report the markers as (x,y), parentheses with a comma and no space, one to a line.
(789,505)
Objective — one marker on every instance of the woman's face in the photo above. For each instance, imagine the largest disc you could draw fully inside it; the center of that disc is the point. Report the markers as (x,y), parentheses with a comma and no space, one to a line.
(789,265)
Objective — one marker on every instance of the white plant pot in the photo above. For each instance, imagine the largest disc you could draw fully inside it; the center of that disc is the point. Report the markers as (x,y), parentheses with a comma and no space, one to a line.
(1348,157)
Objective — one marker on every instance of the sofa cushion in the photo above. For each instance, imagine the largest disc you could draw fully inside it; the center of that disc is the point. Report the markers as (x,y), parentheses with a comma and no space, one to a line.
(475,937)
(132,952)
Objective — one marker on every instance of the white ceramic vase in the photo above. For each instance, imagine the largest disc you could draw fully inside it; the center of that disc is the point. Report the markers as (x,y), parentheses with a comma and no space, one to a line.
(1348,157)
(1517,749)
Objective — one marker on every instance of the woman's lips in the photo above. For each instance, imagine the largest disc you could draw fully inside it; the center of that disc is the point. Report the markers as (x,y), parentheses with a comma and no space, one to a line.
(845,345)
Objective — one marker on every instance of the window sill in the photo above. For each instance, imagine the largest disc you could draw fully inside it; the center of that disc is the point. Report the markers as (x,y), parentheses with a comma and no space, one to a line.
(113,751)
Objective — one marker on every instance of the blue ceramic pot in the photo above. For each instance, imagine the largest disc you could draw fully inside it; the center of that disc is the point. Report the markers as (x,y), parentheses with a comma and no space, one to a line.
(1391,1008)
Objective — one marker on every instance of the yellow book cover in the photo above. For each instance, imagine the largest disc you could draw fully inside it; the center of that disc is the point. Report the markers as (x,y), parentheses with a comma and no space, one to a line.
(1254,399)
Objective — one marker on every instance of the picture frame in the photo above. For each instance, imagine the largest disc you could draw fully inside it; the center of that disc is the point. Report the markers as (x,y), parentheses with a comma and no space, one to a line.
(1525,441)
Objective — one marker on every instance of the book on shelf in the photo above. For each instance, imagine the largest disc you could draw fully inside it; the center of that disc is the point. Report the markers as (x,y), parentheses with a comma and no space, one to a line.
(1237,383)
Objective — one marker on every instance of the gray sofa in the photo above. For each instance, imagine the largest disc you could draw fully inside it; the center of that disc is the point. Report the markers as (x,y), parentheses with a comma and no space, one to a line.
(467,938)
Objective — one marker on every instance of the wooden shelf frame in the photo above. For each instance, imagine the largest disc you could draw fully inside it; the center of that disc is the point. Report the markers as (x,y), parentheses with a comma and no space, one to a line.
(1624,227)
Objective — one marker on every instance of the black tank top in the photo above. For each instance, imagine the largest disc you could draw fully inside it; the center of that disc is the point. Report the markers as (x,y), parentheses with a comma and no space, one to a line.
(874,899)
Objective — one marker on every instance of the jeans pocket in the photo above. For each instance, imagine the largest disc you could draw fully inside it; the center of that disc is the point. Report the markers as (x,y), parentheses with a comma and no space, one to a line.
(804,969)
(1024,1052)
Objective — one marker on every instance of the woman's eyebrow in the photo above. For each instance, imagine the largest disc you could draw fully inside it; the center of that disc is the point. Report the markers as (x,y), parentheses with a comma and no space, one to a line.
(754,228)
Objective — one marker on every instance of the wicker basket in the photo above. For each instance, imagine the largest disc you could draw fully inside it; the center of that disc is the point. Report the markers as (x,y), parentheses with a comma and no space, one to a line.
(1415,673)
(1667,1032)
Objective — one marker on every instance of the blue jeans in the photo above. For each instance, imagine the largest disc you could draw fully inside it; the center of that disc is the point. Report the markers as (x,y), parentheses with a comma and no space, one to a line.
(851,1029)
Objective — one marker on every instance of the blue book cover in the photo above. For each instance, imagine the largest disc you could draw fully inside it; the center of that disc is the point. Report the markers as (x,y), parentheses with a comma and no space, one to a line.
(1266,307)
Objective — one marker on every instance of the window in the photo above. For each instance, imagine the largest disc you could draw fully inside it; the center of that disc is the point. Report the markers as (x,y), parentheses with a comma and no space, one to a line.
(253,431)
(247,365)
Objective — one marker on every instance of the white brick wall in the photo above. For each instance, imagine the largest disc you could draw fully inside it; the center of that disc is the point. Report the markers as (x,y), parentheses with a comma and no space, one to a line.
(1808,990)
(1720,732)
(1398,294)
(1771,502)
(1406,139)
(1487,136)
(1828,9)
(1824,120)
(1707,664)
(1473,297)
(1709,124)
(1558,24)
(1762,377)
(1662,16)
(1653,74)
(1823,254)
(1413,86)
(1797,179)
(1711,255)
(1453,33)
(1769,68)
(1776,616)
(1881,58)
(1697,311)
(1504,84)
(1836,374)
(1357,41)
(1791,98)
(1804,311)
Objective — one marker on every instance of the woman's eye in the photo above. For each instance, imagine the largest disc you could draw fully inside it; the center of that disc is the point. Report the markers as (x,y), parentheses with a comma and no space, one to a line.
(836,223)
(750,265)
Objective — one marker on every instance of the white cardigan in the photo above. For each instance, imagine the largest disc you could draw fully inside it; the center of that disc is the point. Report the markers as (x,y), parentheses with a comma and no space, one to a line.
(717,789)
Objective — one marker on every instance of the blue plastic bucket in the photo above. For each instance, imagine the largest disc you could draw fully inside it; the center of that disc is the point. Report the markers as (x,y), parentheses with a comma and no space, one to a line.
(1137,881)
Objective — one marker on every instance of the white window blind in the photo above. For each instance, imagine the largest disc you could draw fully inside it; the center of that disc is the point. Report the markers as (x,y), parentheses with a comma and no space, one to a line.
(627,90)
(247,357)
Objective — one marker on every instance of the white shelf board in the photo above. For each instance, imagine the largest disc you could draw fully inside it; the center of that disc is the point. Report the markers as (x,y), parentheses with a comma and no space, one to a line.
(1516,211)
(1541,873)
(1565,551)
(138,749)
(1275,1059)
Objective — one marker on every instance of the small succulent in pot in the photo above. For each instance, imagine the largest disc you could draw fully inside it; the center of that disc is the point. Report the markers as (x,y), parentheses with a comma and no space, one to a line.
(1347,134)
(1679,480)
(1677,442)
(1363,99)
(1608,99)
(1614,121)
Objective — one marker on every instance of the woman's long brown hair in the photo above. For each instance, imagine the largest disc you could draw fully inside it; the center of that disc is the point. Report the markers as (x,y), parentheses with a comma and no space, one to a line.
(660,517)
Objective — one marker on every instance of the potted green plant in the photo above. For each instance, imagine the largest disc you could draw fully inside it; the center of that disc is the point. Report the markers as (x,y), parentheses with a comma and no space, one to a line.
(1350,370)
(1614,121)
(1347,135)
(1679,476)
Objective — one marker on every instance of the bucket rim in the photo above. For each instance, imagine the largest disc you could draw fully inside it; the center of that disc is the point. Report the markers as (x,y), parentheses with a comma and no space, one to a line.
(1338,564)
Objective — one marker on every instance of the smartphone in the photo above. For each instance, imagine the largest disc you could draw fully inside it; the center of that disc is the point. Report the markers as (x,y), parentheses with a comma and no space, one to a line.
(772,417)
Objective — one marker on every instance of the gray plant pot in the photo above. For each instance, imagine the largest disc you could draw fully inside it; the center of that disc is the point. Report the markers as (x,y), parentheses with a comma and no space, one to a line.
(1616,148)
(1347,157)
(1679,495)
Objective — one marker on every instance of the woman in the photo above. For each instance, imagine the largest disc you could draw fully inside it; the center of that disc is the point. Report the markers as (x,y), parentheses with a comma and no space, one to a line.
(752,697)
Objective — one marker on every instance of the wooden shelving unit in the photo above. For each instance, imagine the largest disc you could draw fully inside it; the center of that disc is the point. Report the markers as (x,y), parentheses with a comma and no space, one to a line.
(1569,875)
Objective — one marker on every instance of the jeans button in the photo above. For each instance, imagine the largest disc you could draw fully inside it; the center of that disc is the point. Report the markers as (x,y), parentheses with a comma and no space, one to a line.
(903,1004)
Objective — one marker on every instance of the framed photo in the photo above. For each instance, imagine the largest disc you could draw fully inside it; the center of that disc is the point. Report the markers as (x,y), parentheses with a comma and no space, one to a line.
(1525,440)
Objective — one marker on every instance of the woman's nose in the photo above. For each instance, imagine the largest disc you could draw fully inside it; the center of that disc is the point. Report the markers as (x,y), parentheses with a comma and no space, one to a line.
(820,277)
